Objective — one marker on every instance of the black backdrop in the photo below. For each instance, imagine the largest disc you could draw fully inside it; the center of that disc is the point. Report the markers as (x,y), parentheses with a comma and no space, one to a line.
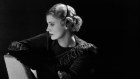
(107,23)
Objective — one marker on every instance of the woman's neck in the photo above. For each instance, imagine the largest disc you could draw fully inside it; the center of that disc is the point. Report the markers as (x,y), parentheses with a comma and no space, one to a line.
(67,40)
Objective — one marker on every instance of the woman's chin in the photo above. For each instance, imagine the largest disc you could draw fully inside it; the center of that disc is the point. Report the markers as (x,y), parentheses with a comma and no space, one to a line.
(53,38)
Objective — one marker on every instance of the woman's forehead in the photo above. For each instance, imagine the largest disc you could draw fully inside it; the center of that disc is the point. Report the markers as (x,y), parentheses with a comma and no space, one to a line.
(51,18)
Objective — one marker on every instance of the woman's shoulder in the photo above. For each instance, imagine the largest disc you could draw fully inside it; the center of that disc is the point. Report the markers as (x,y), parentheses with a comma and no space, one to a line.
(82,44)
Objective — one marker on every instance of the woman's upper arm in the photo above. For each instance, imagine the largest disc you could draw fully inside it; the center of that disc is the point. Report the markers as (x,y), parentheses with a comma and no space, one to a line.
(36,41)
(30,55)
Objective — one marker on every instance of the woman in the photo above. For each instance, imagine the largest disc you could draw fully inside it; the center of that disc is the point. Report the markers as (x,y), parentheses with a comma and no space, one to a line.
(58,53)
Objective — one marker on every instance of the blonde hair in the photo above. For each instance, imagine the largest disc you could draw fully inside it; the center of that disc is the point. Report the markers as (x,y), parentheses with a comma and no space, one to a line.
(68,14)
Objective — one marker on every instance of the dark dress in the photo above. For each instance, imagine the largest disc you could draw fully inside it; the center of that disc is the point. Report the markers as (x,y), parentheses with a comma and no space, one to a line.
(47,57)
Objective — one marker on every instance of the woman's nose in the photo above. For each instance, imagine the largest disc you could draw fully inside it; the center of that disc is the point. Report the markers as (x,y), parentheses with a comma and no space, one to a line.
(48,29)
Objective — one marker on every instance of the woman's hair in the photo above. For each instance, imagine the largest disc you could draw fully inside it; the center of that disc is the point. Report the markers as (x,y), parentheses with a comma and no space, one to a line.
(68,14)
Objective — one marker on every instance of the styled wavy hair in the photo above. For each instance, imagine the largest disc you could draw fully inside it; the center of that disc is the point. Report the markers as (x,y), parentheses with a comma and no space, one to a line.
(68,14)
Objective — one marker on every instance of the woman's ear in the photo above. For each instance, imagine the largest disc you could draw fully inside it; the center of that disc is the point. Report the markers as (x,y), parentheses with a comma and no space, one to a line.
(63,23)
(66,26)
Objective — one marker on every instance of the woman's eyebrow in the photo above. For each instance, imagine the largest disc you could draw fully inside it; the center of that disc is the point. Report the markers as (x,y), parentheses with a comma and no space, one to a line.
(51,22)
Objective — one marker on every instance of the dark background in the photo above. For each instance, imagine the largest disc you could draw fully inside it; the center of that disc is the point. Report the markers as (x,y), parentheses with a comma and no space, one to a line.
(109,24)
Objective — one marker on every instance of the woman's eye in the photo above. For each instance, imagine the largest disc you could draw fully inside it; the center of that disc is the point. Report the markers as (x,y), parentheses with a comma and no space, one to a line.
(52,24)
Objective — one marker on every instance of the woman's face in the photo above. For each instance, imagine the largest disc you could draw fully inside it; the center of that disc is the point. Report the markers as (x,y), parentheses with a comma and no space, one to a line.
(55,27)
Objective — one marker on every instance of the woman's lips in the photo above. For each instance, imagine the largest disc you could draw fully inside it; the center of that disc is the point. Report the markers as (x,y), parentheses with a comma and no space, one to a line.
(51,34)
